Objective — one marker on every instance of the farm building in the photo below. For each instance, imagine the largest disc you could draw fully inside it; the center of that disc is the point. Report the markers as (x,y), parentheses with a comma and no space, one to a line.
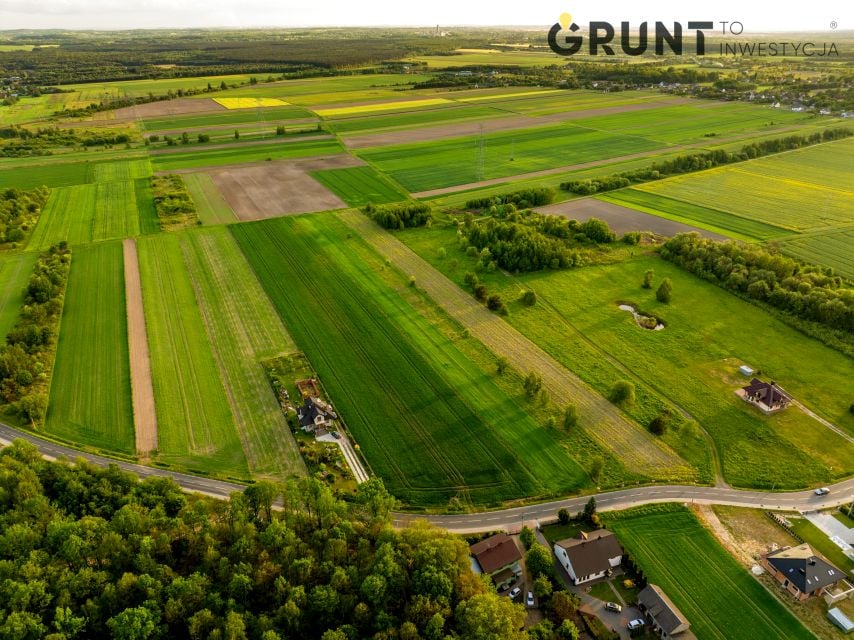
(589,556)
(766,395)
(498,557)
(665,618)
(803,573)
(840,620)
(313,415)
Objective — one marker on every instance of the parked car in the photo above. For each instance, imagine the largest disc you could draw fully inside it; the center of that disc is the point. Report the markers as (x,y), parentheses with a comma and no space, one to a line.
(515,591)
(822,492)
(637,623)
(530,600)
(613,606)
(336,435)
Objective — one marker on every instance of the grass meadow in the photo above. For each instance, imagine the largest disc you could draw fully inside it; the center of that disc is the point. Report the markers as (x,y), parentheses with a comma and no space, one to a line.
(90,393)
(832,249)
(15,271)
(358,186)
(210,205)
(718,596)
(237,154)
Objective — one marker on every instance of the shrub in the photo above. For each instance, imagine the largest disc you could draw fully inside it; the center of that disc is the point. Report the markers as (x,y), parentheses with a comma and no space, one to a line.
(204,137)
(647,279)
(501,365)
(471,279)
(526,536)
(632,237)
(623,392)
(570,417)
(658,425)
(532,384)
(665,291)
(480,292)
(529,298)
(495,303)
(563,516)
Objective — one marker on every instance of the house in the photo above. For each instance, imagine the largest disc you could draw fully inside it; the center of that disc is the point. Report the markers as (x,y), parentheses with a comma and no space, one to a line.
(803,573)
(590,555)
(665,618)
(840,620)
(314,415)
(498,557)
(766,395)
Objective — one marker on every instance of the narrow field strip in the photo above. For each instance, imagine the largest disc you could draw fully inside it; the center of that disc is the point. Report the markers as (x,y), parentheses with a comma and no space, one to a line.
(15,270)
(634,446)
(331,112)
(210,205)
(90,393)
(142,388)
(243,328)
(250,103)
(195,427)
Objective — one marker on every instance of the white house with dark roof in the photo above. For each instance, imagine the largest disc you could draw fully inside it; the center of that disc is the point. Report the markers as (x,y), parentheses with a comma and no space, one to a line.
(590,556)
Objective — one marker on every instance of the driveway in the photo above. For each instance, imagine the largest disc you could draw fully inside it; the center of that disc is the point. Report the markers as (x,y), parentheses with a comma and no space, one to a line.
(831,526)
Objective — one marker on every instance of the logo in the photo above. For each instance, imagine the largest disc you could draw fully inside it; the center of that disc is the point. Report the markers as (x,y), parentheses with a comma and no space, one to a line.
(565,39)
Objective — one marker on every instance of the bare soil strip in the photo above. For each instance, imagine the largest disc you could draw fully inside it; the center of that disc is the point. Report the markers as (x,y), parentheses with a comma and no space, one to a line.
(237,145)
(621,219)
(177,107)
(144,414)
(272,189)
(474,127)
(629,443)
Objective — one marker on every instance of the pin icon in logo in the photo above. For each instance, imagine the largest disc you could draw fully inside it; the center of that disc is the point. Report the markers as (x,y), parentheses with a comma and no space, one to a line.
(564,23)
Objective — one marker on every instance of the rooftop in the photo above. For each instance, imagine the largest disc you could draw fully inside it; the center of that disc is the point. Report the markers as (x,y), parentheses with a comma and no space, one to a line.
(591,552)
(495,552)
(803,568)
(661,608)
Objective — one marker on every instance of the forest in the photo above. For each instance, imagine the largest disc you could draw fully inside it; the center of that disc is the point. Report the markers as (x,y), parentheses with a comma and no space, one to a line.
(19,211)
(91,552)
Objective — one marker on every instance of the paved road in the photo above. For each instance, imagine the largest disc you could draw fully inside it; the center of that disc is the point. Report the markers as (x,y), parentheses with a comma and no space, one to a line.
(840,493)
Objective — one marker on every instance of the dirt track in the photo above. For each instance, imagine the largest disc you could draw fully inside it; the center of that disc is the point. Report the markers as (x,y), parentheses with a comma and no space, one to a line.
(474,127)
(621,219)
(144,413)
(272,189)
(631,444)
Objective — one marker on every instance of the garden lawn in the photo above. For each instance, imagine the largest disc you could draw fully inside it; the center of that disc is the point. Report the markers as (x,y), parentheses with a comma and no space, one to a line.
(243,329)
(406,393)
(443,163)
(15,272)
(720,599)
(358,186)
(90,393)
(196,429)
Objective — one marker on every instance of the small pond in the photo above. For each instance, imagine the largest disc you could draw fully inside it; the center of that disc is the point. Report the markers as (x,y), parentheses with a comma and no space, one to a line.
(643,320)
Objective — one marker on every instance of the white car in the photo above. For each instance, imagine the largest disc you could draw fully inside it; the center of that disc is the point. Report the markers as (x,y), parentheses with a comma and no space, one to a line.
(637,623)
(514,592)
(822,492)
(530,600)
(613,606)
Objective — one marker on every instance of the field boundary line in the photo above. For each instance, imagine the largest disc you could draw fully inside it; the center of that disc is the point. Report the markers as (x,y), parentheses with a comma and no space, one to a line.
(142,387)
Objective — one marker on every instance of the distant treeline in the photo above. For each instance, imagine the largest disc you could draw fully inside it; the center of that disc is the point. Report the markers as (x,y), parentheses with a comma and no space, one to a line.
(19,141)
(19,211)
(400,216)
(26,360)
(801,291)
(699,161)
(522,199)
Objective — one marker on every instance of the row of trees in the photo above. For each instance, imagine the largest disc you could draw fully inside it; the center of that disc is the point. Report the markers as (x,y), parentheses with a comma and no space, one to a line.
(27,357)
(699,161)
(522,199)
(89,552)
(19,211)
(805,292)
(172,201)
(402,216)
(21,141)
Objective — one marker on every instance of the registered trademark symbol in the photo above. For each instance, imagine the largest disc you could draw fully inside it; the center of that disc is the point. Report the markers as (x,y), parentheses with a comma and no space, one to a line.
(833,24)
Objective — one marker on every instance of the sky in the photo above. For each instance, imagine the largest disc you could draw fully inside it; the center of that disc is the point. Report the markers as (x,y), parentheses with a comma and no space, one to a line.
(761,16)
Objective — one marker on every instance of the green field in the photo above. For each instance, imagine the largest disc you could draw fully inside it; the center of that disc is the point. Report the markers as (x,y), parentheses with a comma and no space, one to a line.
(243,329)
(442,163)
(15,271)
(799,190)
(577,100)
(831,249)
(196,429)
(696,215)
(695,360)
(244,153)
(120,171)
(718,596)
(425,117)
(419,409)
(90,394)
(88,213)
(224,117)
(210,205)
(49,175)
(358,186)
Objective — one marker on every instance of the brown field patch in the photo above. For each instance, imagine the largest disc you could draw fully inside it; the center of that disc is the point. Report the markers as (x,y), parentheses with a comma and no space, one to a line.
(621,219)
(475,127)
(177,107)
(271,189)
(142,389)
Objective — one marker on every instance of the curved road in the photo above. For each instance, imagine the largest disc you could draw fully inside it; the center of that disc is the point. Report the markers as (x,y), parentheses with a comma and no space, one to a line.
(840,493)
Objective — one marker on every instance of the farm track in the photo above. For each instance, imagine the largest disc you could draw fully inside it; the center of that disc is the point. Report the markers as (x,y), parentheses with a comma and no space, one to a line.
(633,446)
(142,388)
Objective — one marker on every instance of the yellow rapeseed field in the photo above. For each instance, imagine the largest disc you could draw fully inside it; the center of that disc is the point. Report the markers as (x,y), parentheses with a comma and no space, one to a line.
(250,103)
(383,106)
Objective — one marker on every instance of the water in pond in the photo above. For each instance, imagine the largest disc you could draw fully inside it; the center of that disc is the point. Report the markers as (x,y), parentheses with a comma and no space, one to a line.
(643,321)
